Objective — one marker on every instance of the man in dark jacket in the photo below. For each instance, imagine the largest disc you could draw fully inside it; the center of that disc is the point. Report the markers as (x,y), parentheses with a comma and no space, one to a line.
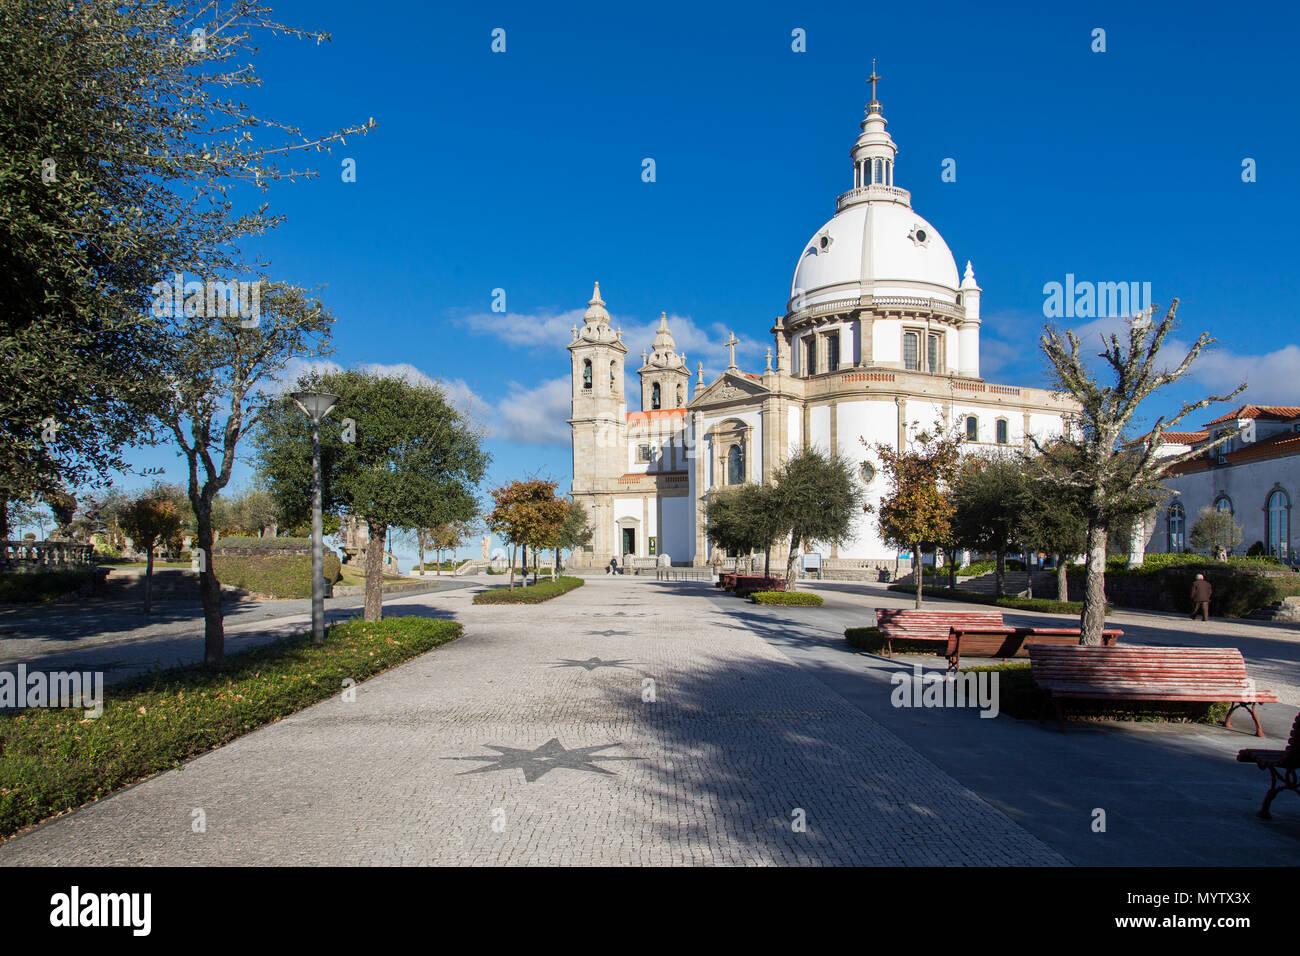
(1201,591)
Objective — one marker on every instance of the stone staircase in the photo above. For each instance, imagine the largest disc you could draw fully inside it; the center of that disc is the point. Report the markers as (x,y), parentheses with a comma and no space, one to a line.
(1287,609)
(1014,582)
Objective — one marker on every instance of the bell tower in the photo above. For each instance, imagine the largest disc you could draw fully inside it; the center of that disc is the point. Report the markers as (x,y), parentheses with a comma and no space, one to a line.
(599,422)
(665,379)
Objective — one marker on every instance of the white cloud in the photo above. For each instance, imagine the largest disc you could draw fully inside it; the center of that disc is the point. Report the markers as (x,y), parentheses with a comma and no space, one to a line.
(552,332)
(534,416)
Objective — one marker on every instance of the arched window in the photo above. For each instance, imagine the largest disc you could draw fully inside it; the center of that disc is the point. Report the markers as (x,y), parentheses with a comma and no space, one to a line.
(586,373)
(1224,503)
(680,403)
(613,377)
(972,428)
(877,172)
(735,465)
(1176,537)
(1002,431)
(654,395)
(1279,523)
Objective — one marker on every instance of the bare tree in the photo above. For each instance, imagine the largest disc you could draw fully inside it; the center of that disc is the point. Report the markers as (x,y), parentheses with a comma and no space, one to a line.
(1103,460)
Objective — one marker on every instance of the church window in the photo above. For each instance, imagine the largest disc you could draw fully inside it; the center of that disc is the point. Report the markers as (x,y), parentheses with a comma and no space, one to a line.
(1279,523)
(586,373)
(1177,529)
(1223,503)
(833,351)
(679,397)
(613,377)
(643,453)
(933,353)
(1002,431)
(911,356)
(972,428)
(654,395)
(877,173)
(735,465)
(810,354)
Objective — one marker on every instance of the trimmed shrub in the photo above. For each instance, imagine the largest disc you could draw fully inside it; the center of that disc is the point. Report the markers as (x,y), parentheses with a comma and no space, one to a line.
(786,597)
(869,639)
(55,760)
(32,587)
(543,590)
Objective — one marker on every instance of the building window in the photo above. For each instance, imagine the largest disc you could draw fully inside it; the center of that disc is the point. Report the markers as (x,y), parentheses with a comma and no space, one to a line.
(642,453)
(680,403)
(586,373)
(613,377)
(1176,538)
(877,173)
(972,428)
(654,395)
(1224,503)
(735,465)
(933,356)
(810,354)
(911,349)
(1279,524)
(832,351)
(1002,431)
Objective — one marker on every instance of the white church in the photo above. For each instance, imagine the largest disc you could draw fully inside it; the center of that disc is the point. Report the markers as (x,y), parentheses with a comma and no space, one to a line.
(880,338)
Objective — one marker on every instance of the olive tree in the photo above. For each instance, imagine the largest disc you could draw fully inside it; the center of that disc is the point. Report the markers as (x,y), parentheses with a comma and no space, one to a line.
(1102,458)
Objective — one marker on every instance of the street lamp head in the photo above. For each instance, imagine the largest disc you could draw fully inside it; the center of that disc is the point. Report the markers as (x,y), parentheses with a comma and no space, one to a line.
(316,405)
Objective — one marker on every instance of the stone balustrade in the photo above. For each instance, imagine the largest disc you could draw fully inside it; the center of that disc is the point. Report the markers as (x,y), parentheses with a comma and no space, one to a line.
(45,555)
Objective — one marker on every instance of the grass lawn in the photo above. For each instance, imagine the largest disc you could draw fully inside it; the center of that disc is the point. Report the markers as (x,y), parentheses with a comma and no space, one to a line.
(352,575)
(53,761)
(543,590)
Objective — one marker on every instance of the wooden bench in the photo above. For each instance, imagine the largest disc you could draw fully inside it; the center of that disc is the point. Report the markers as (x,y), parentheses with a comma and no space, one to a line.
(909,624)
(1281,765)
(1194,674)
(977,641)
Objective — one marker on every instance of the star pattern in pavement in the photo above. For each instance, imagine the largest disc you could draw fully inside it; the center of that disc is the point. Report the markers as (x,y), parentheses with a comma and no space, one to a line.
(551,755)
(591,663)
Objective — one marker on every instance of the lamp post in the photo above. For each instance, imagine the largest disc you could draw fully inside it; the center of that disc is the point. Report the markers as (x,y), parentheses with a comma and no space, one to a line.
(316,405)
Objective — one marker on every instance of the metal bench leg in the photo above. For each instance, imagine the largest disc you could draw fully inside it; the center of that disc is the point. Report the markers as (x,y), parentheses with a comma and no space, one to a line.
(1227,721)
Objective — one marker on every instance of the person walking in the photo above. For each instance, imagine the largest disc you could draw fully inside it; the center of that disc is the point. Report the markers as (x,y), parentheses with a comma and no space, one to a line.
(613,565)
(1201,591)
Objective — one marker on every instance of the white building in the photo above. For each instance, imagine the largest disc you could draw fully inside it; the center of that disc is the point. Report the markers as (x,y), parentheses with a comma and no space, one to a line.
(1252,476)
(879,338)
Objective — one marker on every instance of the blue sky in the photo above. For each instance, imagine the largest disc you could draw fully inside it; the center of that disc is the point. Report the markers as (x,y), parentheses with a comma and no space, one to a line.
(522,171)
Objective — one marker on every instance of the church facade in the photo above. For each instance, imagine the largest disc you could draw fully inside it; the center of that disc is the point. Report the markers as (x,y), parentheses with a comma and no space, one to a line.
(879,338)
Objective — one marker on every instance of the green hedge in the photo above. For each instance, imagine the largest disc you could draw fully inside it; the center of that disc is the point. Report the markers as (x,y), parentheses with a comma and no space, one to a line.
(261,544)
(31,587)
(869,639)
(57,760)
(1011,602)
(543,590)
(273,575)
(785,597)
(1164,582)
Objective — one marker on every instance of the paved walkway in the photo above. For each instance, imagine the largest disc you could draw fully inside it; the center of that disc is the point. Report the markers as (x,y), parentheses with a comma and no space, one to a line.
(627,722)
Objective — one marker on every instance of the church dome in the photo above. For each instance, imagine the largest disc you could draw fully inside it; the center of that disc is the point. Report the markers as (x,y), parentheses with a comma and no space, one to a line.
(875,245)
(874,248)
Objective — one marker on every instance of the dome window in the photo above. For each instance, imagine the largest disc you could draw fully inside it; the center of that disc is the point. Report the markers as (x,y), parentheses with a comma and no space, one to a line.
(824,242)
(918,235)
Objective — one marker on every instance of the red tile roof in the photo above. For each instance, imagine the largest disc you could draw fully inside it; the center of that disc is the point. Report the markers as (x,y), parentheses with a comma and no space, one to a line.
(1185,438)
(654,413)
(1279,413)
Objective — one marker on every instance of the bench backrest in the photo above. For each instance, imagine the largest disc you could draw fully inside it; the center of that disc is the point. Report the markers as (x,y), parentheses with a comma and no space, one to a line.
(909,622)
(1291,756)
(1146,666)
